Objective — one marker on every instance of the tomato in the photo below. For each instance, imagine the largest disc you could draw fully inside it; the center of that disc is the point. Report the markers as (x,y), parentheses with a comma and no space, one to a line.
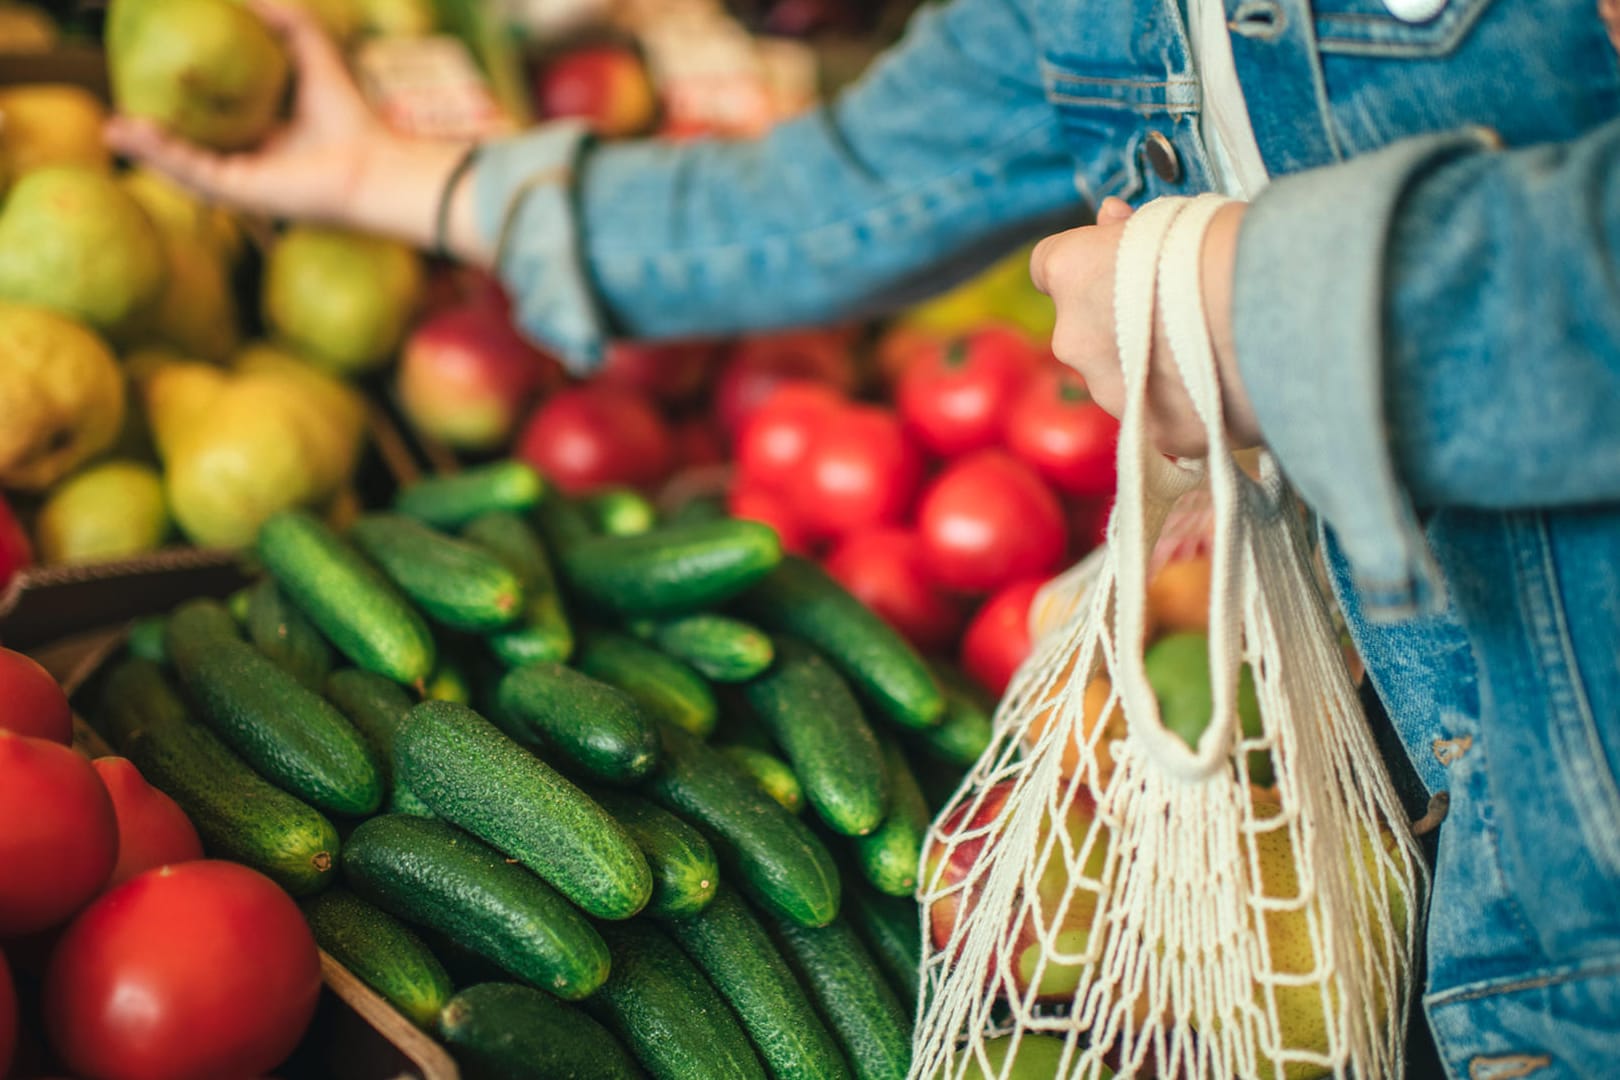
(698,444)
(592,437)
(58,834)
(861,469)
(954,400)
(760,364)
(901,346)
(777,436)
(30,701)
(884,569)
(671,373)
(987,521)
(1067,437)
(997,639)
(15,550)
(769,508)
(152,829)
(8,1018)
(1088,525)
(205,969)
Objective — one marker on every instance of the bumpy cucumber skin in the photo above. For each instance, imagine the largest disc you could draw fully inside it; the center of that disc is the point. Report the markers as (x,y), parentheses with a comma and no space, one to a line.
(891,856)
(598,730)
(890,927)
(457,584)
(769,852)
(770,773)
(666,689)
(374,705)
(544,632)
(622,512)
(813,716)
(472,775)
(449,502)
(717,647)
(562,523)
(738,956)
(503,1031)
(382,952)
(799,598)
(666,1012)
(239,815)
(967,728)
(429,873)
(349,600)
(673,570)
(684,868)
(286,731)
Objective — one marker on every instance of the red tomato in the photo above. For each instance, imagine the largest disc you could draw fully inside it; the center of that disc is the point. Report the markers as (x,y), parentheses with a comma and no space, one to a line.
(152,829)
(201,970)
(954,400)
(884,569)
(697,444)
(8,1018)
(899,348)
(777,436)
(987,521)
(760,364)
(1088,526)
(592,437)
(15,550)
(58,834)
(769,508)
(1067,437)
(669,373)
(30,701)
(997,640)
(861,470)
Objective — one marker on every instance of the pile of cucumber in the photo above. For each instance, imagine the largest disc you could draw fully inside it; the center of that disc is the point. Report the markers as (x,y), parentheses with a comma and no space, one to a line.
(581,791)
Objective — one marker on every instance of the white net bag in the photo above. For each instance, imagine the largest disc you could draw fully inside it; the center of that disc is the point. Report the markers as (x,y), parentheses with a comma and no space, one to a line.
(1240,903)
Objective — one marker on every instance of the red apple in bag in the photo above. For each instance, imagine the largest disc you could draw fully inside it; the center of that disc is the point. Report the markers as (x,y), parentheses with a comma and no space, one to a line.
(606,86)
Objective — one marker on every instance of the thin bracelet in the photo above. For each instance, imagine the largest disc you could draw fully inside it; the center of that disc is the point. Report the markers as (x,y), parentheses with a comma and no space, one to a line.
(441,218)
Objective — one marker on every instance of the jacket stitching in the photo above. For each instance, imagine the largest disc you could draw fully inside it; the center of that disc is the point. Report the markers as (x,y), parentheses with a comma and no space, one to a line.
(1145,108)
(1604,968)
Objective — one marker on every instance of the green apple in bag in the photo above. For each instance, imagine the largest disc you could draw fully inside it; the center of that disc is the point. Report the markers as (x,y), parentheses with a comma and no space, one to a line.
(1177,669)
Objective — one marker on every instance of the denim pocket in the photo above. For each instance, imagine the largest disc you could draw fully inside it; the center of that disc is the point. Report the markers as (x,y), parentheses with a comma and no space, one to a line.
(1368,28)
(1560,1023)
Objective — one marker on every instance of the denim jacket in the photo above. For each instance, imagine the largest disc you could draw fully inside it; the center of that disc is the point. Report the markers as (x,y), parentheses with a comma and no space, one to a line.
(1427,311)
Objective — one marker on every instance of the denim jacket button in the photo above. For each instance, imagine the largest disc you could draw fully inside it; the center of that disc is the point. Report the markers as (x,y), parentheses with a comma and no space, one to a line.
(1415,11)
(1162,157)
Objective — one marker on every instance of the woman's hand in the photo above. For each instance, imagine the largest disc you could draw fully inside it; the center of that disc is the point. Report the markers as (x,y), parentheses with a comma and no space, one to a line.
(1076,269)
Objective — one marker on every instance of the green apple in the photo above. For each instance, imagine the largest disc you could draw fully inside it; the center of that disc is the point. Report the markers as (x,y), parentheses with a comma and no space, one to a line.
(1178,671)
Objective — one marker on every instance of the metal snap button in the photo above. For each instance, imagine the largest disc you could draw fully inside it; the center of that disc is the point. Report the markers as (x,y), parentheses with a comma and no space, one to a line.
(1415,11)
(1162,157)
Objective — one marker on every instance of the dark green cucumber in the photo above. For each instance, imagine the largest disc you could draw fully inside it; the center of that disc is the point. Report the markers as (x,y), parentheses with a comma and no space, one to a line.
(402,800)
(890,927)
(473,776)
(810,712)
(621,512)
(865,1014)
(769,773)
(667,1013)
(597,730)
(283,633)
(672,570)
(456,583)
(543,632)
(891,856)
(685,872)
(146,639)
(563,523)
(449,502)
(382,952)
(770,853)
(503,1031)
(239,815)
(665,688)
(738,956)
(799,598)
(717,647)
(967,728)
(349,600)
(429,873)
(375,706)
(290,734)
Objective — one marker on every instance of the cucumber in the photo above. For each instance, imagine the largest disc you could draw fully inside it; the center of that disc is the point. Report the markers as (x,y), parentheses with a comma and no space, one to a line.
(738,956)
(621,512)
(353,604)
(473,776)
(563,523)
(865,1015)
(667,1013)
(717,647)
(699,508)
(431,874)
(773,856)
(284,634)
(685,873)
(890,858)
(672,570)
(375,706)
(966,730)
(666,689)
(239,603)
(543,631)
(286,731)
(890,927)
(402,800)
(382,952)
(799,598)
(239,815)
(456,583)
(813,716)
(769,773)
(449,681)
(503,1031)
(449,502)
(596,729)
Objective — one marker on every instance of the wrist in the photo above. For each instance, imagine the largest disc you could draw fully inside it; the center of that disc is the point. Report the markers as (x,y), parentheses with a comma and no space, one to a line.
(399,186)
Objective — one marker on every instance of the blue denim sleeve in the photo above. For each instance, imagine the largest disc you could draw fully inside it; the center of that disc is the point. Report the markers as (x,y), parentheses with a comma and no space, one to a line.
(1460,346)
(940,158)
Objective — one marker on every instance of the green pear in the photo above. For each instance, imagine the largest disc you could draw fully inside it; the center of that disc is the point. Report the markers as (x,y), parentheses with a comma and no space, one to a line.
(208,70)
(1177,668)
(72,239)
(61,396)
(1037,1058)
(51,124)
(342,299)
(111,510)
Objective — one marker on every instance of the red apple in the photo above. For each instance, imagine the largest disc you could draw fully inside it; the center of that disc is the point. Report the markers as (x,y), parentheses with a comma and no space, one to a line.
(671,374)
(591,437)
(605,85)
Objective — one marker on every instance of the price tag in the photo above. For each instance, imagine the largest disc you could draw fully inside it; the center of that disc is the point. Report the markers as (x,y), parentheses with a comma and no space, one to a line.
(429,87)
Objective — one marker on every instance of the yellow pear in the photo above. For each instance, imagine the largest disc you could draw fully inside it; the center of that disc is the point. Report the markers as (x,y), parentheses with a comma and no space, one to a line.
(331,448)
(178,395)
(51,124)
(343,300)
(196,313)
(111,510)
(24,28)
(174,209)
(61,396)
